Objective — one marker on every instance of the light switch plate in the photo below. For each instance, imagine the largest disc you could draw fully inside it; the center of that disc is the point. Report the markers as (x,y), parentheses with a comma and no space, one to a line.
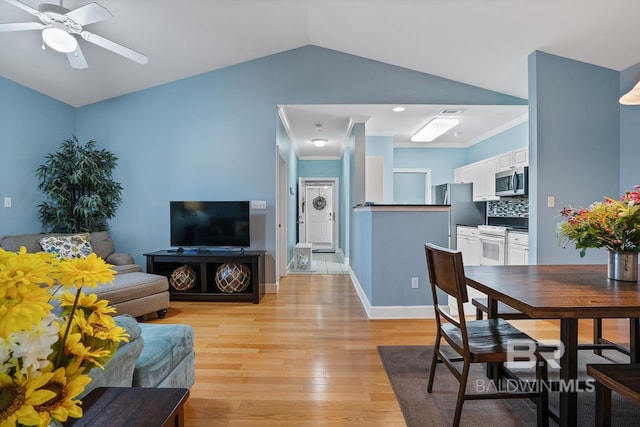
(258,204)
(551,202)
(7,202)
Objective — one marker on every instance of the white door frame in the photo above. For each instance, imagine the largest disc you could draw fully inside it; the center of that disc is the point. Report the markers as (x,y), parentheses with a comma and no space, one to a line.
(302,183)
(281,215)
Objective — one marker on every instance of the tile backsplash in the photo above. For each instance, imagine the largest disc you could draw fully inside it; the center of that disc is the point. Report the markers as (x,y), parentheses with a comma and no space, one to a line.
(509,207)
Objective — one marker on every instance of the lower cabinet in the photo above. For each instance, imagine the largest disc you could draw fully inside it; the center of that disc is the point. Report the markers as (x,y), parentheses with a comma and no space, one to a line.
(517,248)
(211,275)
(469,244)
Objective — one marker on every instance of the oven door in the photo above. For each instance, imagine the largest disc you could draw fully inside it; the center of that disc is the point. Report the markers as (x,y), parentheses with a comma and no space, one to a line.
(493,250)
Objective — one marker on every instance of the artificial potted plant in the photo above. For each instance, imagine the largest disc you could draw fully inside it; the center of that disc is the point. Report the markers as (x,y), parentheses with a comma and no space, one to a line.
(78,182)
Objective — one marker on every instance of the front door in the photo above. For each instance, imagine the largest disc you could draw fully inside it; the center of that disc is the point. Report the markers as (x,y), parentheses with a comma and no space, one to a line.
(317,218)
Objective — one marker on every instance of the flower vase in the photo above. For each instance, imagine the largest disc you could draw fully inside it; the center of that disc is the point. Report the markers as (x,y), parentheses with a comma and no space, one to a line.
(623,265)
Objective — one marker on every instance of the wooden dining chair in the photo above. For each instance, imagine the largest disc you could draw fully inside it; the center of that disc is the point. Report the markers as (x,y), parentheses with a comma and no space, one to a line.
(477,341)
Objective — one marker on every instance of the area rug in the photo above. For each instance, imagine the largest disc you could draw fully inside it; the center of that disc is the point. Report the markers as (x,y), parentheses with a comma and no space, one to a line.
(408,370)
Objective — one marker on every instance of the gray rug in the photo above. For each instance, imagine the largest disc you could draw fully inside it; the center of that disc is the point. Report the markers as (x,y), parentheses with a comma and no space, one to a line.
(408,370)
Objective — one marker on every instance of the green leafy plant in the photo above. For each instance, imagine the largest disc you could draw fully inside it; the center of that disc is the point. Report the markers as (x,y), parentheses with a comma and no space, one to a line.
(78,181)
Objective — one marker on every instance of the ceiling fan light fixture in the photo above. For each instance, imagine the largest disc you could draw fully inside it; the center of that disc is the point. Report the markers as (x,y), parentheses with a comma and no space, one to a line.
(59,40)
(319,142)
(632,97)
(434,129)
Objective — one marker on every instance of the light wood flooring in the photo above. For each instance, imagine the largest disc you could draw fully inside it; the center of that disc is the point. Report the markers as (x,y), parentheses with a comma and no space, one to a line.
(305,357)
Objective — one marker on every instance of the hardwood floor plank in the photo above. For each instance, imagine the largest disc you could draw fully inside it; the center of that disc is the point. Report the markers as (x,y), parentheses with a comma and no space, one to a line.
(306,356)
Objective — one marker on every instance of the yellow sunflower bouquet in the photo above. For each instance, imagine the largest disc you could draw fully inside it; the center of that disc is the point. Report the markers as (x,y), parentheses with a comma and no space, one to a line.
(51,334)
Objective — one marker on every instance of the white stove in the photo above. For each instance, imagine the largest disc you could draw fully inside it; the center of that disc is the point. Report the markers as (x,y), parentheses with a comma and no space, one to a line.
(493,230)
(493,243)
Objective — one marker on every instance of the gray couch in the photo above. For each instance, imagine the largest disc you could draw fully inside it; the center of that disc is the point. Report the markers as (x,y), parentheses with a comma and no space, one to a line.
(132,292)
(156,355)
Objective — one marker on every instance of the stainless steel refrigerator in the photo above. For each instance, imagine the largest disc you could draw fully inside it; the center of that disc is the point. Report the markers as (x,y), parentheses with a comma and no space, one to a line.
(464,211)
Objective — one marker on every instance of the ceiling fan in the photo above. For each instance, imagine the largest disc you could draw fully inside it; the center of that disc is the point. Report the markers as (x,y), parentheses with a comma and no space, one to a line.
(60,26)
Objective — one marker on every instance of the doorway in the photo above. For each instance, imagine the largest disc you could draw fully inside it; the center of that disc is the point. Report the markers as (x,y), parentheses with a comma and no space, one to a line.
(317,213)
(411,186)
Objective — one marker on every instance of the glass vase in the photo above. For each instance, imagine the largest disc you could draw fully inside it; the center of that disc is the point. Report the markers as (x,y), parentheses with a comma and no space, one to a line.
(623,265)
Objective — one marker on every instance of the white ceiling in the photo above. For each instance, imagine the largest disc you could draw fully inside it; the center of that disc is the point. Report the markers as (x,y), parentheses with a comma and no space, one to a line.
(477,122)
(484,43)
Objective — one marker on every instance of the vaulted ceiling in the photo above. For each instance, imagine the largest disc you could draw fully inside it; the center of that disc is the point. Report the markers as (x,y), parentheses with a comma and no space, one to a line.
(481,42)
(484,43)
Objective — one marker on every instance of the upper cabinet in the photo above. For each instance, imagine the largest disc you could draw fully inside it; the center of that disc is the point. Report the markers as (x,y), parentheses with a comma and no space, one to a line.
(513,159)
(462,174)
(483,173)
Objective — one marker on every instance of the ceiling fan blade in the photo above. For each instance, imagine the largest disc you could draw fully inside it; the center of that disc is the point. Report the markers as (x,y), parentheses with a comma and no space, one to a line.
(115,47)
(21,26)
(88,14)
(76,59)
(24,7)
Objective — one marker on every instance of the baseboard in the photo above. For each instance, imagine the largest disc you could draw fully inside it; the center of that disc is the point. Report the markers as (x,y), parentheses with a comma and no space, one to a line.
(390,312)
(271,288)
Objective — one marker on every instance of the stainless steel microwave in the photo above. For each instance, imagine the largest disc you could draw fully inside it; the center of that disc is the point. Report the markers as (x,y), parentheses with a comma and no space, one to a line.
(514,182)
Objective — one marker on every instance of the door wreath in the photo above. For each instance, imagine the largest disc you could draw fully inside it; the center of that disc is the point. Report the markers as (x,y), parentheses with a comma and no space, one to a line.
(319,203)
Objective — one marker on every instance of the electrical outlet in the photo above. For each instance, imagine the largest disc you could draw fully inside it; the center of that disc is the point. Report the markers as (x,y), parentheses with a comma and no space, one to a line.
(7,202)
(415,282)
(258,204)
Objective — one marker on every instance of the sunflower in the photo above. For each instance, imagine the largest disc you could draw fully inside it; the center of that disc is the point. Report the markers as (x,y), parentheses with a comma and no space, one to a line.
(25,268)
(90,304)
(19,395)
(89,271)
(66,383)
(23,307)
(87,356)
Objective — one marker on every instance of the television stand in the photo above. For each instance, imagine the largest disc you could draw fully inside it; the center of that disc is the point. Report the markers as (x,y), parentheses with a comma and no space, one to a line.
(204,266)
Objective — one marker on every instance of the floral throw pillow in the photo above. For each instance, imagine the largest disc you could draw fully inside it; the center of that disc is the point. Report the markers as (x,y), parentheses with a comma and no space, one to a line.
(76,246)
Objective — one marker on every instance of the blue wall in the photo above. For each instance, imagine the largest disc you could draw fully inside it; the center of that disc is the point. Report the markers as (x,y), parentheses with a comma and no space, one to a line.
(441,161)
(31,125)
(214,136)
(574,152)
(511,139)
(629,133)
(320,168)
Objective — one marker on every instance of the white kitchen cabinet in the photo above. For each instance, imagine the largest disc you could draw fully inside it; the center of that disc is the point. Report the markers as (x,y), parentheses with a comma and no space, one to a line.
(521,157)
(469,244)
(513,159)
(483,178)
(517,248)
(462,174)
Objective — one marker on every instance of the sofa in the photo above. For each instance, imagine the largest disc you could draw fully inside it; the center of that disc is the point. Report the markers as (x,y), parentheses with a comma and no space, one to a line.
(132,292)
(156,355)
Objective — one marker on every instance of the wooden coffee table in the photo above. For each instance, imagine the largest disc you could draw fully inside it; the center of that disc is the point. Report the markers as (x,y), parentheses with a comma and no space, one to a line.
(133,407)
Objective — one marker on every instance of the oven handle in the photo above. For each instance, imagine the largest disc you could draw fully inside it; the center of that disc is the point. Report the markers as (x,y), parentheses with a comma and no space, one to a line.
(491,239)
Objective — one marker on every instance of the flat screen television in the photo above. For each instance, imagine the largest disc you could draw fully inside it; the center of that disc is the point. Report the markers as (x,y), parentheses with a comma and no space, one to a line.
(203,224)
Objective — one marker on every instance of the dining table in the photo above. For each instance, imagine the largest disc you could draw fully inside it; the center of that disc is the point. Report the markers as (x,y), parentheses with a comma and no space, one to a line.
(566,293)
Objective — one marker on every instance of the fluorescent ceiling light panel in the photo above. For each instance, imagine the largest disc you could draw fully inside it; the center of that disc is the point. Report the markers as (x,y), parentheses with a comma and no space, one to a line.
(434,129)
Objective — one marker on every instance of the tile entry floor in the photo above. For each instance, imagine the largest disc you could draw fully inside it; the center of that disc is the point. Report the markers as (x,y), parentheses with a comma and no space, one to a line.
(322,263)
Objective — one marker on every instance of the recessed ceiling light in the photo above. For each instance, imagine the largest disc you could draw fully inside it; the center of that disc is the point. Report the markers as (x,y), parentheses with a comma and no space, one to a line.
(319,142)
(398,109)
